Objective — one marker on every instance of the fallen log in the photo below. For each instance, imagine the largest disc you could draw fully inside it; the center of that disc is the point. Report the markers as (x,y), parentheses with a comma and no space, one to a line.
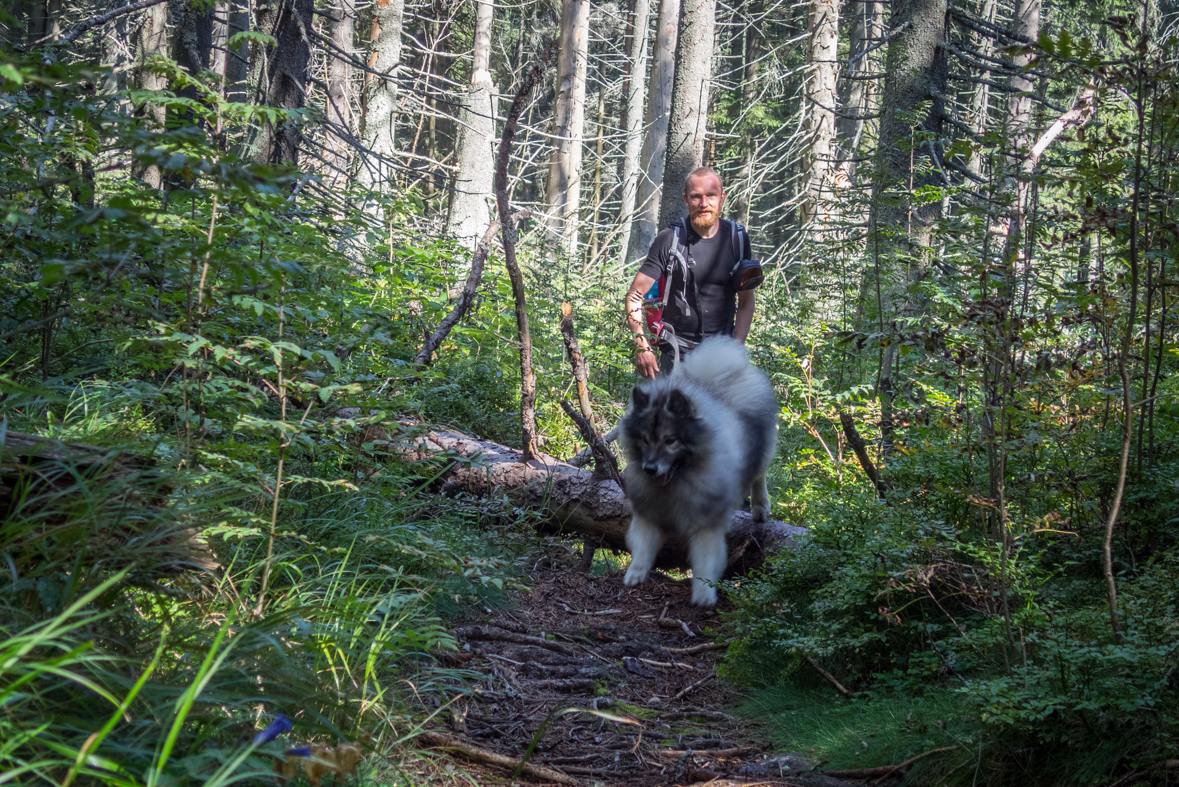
(574,501)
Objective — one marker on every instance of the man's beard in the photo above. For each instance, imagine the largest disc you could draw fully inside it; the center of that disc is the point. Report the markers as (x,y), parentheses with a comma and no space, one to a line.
(702,224)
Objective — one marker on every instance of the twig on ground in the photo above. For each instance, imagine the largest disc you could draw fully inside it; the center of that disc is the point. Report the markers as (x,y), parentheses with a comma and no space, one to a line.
(493,634)
(692,651)
(733,752)
(667,664)
(882,771)
(711,715)
(834,682)
(1137,776)
(695,685)
(563,684)
(441,740)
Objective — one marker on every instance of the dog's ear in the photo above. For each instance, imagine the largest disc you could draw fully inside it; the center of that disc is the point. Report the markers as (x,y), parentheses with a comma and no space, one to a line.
(640,398)
(679,405)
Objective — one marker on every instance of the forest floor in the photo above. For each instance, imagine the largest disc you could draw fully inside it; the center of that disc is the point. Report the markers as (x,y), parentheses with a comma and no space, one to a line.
(577,641)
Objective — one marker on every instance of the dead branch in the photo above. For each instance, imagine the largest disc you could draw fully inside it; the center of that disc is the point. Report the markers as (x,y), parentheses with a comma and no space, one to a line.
(527,379)
(692,651)
(577,361)
(834,682)
(441,740)
(493,634)
(883,771)
(1137,776)
(605,462)
(861,451)
(694,686)
(563,684)
(102,19)
(425,356)
(736,751)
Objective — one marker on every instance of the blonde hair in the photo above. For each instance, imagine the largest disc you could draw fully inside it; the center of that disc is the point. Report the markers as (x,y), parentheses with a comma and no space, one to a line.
(703,171)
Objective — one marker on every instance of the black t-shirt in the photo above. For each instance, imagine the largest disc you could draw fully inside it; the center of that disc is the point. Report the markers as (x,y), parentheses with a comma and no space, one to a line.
(712,261)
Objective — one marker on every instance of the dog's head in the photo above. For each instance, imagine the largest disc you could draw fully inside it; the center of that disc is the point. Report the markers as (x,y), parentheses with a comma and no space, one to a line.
(662,431)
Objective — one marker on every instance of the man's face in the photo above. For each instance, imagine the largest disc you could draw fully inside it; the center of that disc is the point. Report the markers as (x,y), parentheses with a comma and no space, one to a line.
(704,197)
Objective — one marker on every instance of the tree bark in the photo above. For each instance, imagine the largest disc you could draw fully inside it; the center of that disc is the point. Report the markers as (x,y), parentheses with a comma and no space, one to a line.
(220,33)
(859,92)
(819,115)
(282,76)
(192,38)
(688,124)
(652,157)
(153,42)
(573,500)
(744,191)
(338,155)
(469,214)
(237,59)
(563,194)
(633,99)
(380,115)
(980,102)
(915,73)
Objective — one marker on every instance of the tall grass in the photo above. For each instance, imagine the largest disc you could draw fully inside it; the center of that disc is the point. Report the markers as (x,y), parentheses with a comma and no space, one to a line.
(132,653)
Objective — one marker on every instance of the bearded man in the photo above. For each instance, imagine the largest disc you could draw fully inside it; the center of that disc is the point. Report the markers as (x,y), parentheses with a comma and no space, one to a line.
(697,280)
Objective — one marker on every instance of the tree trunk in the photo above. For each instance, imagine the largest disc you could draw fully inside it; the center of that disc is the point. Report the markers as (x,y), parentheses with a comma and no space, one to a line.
(192,38)
(688,124)
(117,57)
(563,195)
(915,73)
(44,21)
(652,157)
(153,42)
(338,156)
(380,116)
(633,99)
(980,102)
(1020,163)
(220,33)
(469,214)
(574,500)
(237,59)
(281,76)
(819,115)
(745,187)
(859,92)
(597,209)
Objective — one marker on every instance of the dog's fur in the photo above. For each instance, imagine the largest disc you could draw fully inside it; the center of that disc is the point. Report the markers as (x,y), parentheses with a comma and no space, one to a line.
(696,442)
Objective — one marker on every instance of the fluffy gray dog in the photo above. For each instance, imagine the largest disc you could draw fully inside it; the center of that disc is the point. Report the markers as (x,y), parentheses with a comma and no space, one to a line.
(696,442)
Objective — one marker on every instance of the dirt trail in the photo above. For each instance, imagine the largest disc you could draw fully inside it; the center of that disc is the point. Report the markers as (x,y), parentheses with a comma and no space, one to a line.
(578,641)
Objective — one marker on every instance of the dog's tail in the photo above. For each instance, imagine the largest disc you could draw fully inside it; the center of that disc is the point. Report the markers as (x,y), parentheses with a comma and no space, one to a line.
(716,359)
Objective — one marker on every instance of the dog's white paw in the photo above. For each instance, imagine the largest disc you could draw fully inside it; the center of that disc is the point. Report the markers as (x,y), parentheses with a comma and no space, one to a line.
(634,577)
(760,512)
(703,595)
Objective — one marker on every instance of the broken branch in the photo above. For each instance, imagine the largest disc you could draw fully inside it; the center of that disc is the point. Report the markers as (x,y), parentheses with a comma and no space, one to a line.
(441,740)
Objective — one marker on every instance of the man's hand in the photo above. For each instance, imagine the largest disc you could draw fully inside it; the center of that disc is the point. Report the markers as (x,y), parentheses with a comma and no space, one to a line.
(647,364)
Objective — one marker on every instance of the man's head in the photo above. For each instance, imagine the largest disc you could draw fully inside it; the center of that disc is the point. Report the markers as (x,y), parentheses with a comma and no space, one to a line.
(704,195)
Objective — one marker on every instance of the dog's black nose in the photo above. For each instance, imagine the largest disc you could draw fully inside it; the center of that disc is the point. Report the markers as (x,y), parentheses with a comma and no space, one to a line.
(650,468)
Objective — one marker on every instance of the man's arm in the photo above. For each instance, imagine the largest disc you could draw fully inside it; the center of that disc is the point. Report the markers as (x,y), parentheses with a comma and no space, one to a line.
(744,314)
(645,361)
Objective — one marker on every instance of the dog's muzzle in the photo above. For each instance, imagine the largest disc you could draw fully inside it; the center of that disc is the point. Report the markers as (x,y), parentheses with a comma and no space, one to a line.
(652,469)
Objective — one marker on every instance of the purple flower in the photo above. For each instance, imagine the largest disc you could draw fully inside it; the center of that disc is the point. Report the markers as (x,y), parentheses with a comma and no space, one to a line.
(273,730)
